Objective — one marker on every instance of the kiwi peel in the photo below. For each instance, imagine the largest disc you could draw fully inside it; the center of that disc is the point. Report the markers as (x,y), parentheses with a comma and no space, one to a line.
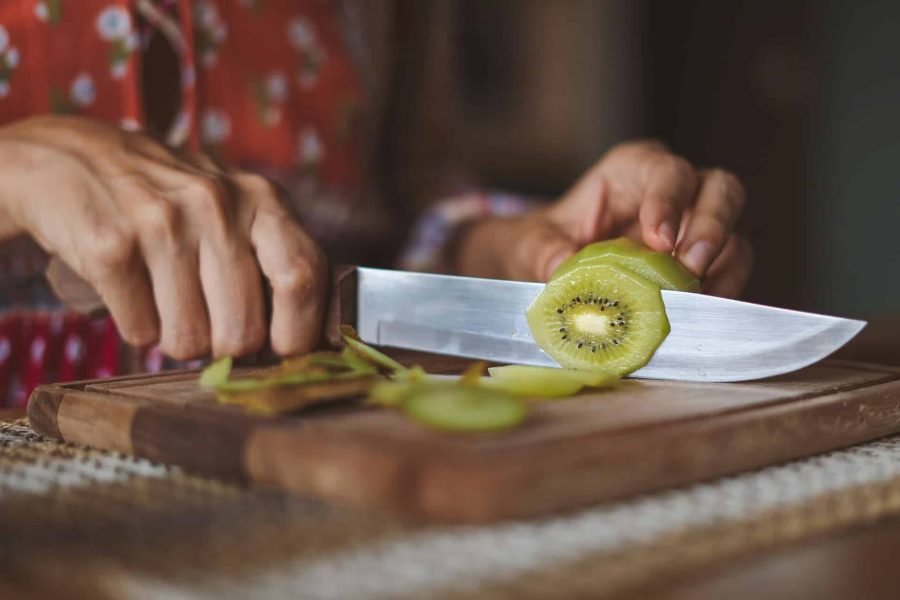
(659,267)
(599,318)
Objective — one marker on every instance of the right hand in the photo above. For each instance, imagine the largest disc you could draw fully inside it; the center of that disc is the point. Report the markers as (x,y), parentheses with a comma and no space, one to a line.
(173,244)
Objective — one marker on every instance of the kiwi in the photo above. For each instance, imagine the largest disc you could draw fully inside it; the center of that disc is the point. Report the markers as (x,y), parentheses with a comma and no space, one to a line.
(599,318)
(659,267)
(544,381)
(217,373)
(464,408)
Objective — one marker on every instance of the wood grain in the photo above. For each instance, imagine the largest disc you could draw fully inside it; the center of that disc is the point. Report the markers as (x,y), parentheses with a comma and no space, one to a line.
(639,437)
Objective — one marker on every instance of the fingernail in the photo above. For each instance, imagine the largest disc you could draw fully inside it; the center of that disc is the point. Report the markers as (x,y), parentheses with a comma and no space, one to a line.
(666,233)
(698,257)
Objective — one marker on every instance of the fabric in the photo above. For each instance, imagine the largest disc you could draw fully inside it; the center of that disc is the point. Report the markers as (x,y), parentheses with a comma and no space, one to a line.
(133,528)
(265,84)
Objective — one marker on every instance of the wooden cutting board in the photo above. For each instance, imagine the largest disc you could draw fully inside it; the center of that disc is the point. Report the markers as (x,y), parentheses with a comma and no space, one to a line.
(642,436)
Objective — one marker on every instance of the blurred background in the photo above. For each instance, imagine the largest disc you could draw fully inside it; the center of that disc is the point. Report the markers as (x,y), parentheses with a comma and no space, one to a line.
(801,99)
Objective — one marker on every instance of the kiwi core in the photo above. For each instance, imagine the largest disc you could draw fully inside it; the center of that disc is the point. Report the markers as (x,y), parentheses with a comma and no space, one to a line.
(592,321)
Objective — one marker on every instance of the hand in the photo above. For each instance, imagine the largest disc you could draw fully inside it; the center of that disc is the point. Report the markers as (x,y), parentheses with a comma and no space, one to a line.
(639,190)
(175,246)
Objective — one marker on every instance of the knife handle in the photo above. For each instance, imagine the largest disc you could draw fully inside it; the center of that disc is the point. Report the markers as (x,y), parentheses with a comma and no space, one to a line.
(341,308)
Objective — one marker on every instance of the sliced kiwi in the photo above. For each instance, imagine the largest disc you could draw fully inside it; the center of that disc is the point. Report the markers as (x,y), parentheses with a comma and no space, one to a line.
(217,373)
(366,352)
(544,381)
(659,267)
(464,408)
(599,318)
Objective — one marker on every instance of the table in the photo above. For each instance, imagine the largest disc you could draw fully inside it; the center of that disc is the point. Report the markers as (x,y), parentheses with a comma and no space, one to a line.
(79,522)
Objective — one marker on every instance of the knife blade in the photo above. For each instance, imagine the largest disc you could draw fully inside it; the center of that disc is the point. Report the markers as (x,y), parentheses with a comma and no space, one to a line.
(712,339)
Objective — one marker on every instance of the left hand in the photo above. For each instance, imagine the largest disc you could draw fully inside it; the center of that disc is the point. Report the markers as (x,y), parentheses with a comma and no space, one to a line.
(639,190)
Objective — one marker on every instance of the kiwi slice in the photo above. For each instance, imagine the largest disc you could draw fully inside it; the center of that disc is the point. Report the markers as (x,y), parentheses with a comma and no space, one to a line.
(217,373)
(659,267)
(464,408)
(599,318)
(366,352)
(544,381)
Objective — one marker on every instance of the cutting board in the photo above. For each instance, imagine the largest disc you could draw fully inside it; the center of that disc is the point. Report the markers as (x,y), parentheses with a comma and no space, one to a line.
(641,436)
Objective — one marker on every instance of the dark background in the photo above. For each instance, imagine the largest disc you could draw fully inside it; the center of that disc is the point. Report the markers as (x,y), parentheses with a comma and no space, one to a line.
(801,99)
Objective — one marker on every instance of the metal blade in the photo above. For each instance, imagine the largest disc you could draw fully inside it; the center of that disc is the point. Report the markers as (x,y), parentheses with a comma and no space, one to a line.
(712,339)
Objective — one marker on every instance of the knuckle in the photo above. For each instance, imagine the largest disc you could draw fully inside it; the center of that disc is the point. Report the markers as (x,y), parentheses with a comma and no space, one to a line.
(300,275)
(679,169)
(162,221)
(209,192)
(109,250)
(186,345)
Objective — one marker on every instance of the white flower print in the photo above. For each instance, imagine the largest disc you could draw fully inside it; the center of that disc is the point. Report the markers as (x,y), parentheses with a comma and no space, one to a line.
(5,349)
(83,91)
(114,23)
(41,11)
(302,37)
(277,87)
(114,26)
(301,34)
(9,60)
(215,126)
(311,150)
(211,31)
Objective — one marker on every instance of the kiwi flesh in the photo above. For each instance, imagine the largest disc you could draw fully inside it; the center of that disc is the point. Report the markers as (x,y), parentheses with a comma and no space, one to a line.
(464,408)
(544,381)
(659,267)
(599,318)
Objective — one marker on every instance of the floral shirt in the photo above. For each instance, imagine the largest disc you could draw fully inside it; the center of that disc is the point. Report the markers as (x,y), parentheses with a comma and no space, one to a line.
(266,84)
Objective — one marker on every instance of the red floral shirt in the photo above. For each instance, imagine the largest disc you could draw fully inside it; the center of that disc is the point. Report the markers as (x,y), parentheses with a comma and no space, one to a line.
(262,82)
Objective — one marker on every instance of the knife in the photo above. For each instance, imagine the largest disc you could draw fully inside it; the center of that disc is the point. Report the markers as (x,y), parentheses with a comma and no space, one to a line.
(711,338)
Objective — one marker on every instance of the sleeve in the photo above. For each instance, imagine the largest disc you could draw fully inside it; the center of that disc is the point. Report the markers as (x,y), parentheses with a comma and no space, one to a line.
(438,227)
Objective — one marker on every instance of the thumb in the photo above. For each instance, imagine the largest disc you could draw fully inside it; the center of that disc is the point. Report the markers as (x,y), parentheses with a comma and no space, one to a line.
(542,250)
(581,213)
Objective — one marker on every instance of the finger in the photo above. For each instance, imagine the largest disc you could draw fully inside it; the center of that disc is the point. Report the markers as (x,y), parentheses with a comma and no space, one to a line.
(229,275)
(670,189)
(719,203)
(296,270)
(541,252)
(731,270)
(173,263)
(114,269)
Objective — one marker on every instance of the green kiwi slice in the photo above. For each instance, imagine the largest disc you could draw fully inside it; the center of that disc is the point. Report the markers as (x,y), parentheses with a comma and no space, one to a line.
(544,381)
(599,318)
(217,373)
(662,269)
(464,408)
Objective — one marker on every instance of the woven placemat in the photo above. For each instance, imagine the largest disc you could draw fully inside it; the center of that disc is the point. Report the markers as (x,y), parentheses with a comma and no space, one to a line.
(77,522)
